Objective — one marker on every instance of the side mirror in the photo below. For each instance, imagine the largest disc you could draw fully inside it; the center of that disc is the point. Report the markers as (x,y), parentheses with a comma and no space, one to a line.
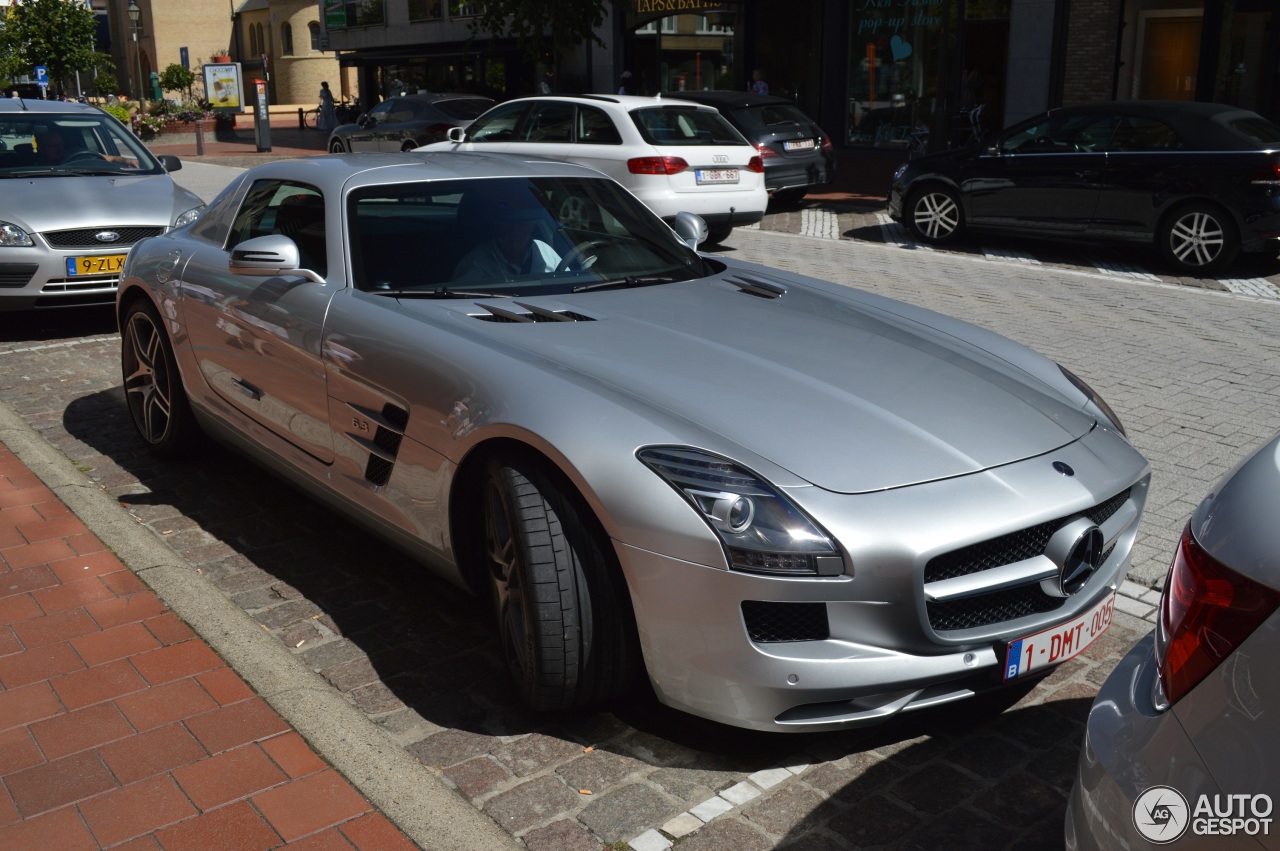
(365,121)
(267,257)
(170,162)
(456,134)
(691,229)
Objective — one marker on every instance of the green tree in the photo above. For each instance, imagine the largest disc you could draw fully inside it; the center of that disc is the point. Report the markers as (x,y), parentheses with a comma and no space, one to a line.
(537,25)
(175,78)
(58,34)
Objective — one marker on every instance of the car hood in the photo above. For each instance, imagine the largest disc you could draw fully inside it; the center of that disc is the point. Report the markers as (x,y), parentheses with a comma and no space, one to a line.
(64,203)
(846,396)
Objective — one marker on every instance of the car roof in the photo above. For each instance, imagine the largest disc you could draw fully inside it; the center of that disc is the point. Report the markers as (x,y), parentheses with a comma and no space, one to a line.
(369,169)
(627,102)
(724,99)
(436,97)
(47,107)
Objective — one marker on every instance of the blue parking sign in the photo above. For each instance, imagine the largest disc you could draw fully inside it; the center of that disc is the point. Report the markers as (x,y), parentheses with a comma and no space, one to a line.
(42,75)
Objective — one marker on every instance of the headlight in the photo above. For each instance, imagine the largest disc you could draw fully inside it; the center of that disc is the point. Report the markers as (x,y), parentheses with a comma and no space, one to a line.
(12,236)
(188,217)
(1097,400)
(897,175)
(762,531)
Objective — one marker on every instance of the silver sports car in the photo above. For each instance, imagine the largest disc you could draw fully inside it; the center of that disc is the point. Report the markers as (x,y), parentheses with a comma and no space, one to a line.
(1182,737)
(794,505)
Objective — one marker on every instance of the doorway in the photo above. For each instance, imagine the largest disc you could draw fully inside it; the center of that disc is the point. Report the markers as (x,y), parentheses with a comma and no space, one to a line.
(1169,53)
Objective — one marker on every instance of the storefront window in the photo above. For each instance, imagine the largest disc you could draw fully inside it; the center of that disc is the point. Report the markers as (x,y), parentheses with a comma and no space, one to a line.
(424,10)
(341,14)
(1240,79)
(898,78)
(693,52)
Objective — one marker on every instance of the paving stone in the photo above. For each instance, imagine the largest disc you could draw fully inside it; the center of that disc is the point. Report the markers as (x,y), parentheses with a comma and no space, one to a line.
(626,812)
(682,824)
(711,808)
(726,833)
(650,840)
(535,752)
(783,811)
(563,835)
(531,802)
(739,793)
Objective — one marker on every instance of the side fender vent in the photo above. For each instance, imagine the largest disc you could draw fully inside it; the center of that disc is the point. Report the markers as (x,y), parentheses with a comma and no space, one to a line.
(389,425)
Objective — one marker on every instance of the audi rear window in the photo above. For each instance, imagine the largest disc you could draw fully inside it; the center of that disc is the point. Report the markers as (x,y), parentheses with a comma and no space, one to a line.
(667,126)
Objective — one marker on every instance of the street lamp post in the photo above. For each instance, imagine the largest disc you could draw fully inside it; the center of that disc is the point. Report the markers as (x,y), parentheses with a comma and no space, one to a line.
(134,14)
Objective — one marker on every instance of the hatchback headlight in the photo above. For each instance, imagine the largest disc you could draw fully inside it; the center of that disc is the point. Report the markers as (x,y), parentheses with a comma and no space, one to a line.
(1098,401)
(188,217)
(12,236)
(761,529)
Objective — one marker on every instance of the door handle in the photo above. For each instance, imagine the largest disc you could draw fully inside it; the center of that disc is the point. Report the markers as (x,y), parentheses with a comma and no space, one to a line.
(247,389)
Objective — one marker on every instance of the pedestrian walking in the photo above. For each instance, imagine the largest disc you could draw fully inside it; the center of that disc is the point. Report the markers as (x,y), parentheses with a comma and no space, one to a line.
(328,117)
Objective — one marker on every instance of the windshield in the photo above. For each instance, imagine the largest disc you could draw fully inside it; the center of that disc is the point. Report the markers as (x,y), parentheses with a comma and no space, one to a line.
(51,144)
(510,237)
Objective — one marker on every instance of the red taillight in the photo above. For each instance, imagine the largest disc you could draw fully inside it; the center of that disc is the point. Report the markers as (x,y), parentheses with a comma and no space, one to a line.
(656,165)
(827,147)
(766,152)
(1206,611)
(1269,173)
(756,164)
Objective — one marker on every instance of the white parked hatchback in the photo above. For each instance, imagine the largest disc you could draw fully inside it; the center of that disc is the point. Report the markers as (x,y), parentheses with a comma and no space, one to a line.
(673,155)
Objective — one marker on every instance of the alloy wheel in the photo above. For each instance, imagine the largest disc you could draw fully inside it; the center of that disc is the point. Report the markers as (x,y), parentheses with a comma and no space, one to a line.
(937,215)
(147,380)
(1196,239)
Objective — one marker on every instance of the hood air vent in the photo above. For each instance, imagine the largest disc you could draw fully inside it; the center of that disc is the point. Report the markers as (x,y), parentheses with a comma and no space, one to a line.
(529,313)
(760,287)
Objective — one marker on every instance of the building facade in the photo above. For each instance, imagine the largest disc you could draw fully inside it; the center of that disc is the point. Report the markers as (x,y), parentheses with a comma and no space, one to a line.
(871,71)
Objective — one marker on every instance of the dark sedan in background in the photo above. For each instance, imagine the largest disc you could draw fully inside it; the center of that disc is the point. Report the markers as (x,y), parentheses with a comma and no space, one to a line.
(798,156)
(1198,181)
(407,122)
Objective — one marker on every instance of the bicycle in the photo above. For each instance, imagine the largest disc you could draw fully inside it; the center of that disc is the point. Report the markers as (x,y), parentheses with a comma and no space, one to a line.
(311,117)
(918,142)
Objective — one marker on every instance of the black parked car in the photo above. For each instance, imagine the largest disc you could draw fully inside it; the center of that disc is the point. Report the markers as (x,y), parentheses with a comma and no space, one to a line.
(797,155)
(407,122)
(1199,181)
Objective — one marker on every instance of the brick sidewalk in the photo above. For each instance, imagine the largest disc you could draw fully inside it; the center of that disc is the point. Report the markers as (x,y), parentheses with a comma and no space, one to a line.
(117,723)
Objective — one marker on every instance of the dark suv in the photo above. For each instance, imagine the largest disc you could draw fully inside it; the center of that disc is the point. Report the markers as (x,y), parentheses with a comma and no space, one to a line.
(798,156)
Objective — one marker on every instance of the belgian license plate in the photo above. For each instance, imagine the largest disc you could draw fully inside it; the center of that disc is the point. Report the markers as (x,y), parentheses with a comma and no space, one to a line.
(798,145)
(96,264)
(717,175)
(1057,645)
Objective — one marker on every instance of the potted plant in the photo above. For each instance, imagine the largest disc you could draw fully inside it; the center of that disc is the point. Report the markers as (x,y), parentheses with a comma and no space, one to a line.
(220,56)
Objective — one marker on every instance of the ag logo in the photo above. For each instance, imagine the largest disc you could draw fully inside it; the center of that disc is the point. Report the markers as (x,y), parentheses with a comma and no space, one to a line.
(1161,814)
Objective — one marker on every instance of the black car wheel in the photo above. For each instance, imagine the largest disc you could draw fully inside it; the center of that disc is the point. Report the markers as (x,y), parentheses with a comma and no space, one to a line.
(336,147)
(934,215)
(790,196)
(717,234)
(152,385)
(1199,238)
(562,620)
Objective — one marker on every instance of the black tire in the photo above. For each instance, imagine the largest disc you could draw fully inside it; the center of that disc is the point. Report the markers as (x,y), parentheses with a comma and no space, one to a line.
(336,147)
(790,196)
(1198,238)
(152,385)
(564,625)
(934,215)
(717,234)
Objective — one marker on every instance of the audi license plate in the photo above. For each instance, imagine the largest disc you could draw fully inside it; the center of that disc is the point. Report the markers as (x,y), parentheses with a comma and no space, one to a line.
(96,264)
(799,145)
(717,175)
(1057,645)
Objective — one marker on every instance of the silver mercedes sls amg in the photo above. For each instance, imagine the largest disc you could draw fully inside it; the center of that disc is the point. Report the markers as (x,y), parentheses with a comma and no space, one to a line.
(795,506)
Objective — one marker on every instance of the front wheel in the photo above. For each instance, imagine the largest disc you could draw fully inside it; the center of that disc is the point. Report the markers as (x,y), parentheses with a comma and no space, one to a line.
(1199,239)
(152,385)
(336,147)
(563,622)
(934,215)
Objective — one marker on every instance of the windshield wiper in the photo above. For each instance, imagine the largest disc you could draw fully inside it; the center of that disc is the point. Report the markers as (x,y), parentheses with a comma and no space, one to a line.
(628,282)
(440,292)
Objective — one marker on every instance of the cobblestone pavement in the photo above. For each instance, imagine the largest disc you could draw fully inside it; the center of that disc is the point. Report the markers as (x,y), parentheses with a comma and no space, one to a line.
(1192,372)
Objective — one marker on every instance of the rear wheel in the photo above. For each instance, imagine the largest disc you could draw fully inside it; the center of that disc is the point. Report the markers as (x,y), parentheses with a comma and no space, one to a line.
(563,620)
(1199,238)
(152,385)
(934,216)
(717,234)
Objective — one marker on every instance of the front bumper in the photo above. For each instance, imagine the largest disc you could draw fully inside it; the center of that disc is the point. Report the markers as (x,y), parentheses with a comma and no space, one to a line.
(826,653)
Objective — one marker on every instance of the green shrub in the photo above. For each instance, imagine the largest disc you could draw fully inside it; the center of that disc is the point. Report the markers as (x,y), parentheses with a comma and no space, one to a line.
(118,112)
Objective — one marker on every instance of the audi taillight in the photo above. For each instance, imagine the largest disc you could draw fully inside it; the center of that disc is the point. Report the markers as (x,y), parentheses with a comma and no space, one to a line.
(766,151)
(1269,173)
(827,147)
(756,164)
(656,165)
(1207,610)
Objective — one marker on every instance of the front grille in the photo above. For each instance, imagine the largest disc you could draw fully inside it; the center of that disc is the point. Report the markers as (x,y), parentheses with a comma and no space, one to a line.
(1014,547)
(80,284)
(772,622)
(16,275)
(84,237)
(1004,604)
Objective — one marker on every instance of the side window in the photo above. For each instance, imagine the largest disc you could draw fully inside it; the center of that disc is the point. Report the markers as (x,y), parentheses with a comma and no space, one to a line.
(295,210)
(1063,135)
(382,111)
(595,127)
(1135,133)
(497,125)
(548,122)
